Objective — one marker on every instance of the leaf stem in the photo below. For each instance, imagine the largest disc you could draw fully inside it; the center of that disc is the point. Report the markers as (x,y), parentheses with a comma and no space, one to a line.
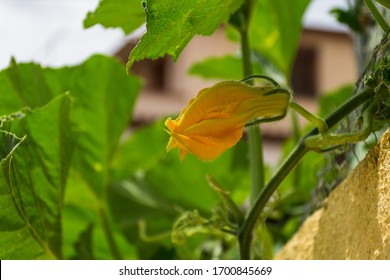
(245,236)
(376,14)
(317,121)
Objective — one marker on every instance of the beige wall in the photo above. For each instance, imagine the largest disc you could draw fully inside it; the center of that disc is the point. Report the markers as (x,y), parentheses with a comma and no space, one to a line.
(355,220)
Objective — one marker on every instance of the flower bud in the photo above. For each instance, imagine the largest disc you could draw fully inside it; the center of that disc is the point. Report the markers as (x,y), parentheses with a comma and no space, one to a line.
(214,120)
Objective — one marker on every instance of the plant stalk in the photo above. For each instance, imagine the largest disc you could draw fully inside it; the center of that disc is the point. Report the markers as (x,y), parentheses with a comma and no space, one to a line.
(255,142)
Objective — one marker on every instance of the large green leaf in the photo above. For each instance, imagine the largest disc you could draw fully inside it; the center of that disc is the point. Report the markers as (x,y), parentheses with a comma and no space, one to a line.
(228,67)
(103,102)
(23,85)
(275,30)
(126,14)
(171,25)
(104,99)
(32,181)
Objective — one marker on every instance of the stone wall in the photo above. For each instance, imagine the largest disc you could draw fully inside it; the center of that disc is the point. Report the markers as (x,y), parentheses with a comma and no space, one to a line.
(355,220)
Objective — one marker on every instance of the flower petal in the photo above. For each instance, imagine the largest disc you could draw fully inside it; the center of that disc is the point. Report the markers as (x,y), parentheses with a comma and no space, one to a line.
(214,120)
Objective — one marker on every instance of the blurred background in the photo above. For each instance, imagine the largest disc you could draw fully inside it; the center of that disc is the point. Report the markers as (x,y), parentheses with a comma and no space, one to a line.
(51,33)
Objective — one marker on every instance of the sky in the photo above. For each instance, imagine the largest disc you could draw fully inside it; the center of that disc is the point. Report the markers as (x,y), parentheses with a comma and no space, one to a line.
(51,32)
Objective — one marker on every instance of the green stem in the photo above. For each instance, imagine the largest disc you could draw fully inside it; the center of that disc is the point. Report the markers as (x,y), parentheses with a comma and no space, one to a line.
(245,236)
(376,14)
(255,143)
(108,234)
(297,137)
(254,133)
(317,121)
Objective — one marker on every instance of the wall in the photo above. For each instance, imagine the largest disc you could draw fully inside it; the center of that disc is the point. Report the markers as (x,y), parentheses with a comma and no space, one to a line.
(355,221)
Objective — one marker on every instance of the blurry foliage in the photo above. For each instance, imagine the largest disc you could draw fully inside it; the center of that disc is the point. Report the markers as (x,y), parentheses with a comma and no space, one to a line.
(352,17)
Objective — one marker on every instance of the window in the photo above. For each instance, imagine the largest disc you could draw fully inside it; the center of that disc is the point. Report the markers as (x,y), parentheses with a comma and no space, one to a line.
(304,75)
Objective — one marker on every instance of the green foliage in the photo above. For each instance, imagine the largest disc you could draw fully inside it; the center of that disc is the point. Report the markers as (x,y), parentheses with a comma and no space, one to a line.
(172,24)
(351,17)
(275,30)
(126,14)
(87,123)
(156,196)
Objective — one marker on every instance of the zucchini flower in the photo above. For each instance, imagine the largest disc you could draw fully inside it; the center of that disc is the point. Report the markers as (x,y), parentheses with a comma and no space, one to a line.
(215,119)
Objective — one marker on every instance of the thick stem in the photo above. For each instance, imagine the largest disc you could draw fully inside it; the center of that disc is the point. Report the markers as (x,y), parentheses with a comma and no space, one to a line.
(254,133)
(245,236)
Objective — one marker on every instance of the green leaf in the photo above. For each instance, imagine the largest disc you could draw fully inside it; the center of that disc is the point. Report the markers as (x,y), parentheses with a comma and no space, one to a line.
(23,85)
(135,156)
(104,102)
(32,182)
(161,187)
(8,143)
(275,30)
(171,25)
(126,14)
(228,67)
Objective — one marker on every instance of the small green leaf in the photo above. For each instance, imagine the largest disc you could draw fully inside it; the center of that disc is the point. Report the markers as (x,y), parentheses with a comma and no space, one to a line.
(171,25)
(188,224)
(228,67)
(126,14)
